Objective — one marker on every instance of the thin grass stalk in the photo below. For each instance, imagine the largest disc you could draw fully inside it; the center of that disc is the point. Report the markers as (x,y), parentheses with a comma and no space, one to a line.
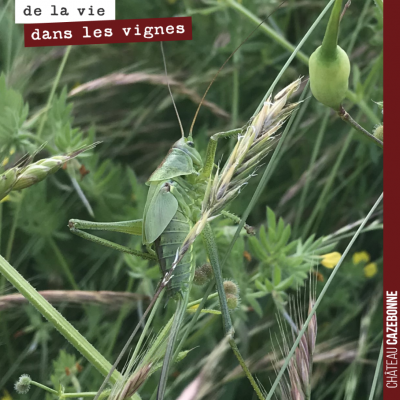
(53,90)
(145,330)
(357,29)
(63,263)
(304,192)
(190,325)
(4,10)
(320,297)
(311,219)
(14,364)
(11,237)
(356,366)
(376,375)
(9,46)
(125,309)
(299,118)
(379,4)
(266,29)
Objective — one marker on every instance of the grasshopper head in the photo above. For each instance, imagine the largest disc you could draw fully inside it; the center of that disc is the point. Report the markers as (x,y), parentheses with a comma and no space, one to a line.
(186,144)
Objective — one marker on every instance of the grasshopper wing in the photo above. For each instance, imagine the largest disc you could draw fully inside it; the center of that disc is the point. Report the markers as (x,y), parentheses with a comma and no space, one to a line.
(159,213)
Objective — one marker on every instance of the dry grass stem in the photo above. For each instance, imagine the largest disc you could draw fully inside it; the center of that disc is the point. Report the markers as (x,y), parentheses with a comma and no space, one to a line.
(154,79)
(106,298)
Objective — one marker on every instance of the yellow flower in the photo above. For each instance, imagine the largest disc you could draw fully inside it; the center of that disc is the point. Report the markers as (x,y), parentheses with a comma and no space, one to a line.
(370,270)
(6,395)
(5,161)
(361,256)
(331,259)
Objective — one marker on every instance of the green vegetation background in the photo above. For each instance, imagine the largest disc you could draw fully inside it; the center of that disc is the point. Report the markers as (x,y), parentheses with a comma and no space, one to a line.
(137,126)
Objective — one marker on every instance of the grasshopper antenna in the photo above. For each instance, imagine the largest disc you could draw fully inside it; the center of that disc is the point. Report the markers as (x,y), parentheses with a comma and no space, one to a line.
(223,65)
(169,88)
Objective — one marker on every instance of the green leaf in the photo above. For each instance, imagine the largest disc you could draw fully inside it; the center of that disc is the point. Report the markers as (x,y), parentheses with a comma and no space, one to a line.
(256,306)
(281,227)
(256,249)
(285,284)
(277,275)
(284,237)
(271,220)
(260,286)
(309,242)
(13,114)
(269,285)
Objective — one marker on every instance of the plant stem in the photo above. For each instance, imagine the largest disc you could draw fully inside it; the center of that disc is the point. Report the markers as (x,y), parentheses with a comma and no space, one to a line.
(4,10)
(64,395)
(333,174)
(266,29)
(44,387)
(198,301)
(306,186)
(376,375)
(195,317)
(345,116)
(13,229)
(319,299)
(57,320)
(379,3)
(145,329)
(53,90)
(63,264)
(212,253)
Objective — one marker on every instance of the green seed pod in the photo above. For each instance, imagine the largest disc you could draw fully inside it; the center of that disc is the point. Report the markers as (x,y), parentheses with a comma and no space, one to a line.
(231,288)
(232,294)
(329,65)
(232,301)
(378,132)
(203,274)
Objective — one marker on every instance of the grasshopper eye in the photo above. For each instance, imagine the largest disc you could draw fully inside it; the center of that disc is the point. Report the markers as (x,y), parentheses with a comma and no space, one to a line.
(191,144)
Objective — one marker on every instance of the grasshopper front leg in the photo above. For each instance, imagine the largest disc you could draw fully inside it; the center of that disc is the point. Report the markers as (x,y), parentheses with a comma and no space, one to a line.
(212,148)
(133,227)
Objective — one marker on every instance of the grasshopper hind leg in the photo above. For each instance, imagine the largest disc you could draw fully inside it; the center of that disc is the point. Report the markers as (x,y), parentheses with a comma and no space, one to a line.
(134,227)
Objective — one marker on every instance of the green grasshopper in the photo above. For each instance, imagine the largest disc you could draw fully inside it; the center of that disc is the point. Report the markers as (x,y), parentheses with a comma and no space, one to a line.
(185,194)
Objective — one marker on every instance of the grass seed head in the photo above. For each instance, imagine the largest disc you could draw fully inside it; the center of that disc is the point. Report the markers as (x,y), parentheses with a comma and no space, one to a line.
(252,146)
(7,181)
(39,171)
(21,177)
(134,382)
